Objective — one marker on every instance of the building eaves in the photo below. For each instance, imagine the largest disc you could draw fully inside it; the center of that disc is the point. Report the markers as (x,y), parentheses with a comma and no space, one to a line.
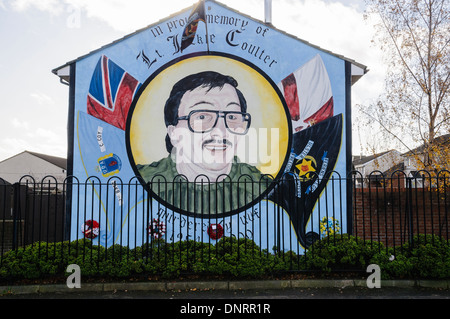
(443,140)
(366,159)
(62,72)
(58,161)
(398,168)
(67,64)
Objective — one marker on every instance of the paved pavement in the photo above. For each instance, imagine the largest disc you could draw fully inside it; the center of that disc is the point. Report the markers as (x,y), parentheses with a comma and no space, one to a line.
(231,299)
(268,289)
(260,294)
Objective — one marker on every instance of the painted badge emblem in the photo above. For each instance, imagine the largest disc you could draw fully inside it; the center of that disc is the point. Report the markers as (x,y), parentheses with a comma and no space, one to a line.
(109,164)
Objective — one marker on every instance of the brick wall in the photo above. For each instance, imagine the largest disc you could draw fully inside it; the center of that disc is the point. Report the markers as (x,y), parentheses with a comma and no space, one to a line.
(391,215)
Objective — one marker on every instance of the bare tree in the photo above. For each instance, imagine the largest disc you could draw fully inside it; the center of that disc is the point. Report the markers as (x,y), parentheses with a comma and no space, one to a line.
(414,109)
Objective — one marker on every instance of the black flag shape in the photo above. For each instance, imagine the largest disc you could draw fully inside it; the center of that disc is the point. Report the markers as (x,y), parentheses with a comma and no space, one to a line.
(313,157)
(197,15)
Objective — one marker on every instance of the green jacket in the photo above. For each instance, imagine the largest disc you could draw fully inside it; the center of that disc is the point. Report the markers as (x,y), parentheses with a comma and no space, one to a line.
(244,184)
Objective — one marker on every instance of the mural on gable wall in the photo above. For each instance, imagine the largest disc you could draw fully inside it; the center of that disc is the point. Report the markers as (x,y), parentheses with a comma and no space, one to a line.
(192,107)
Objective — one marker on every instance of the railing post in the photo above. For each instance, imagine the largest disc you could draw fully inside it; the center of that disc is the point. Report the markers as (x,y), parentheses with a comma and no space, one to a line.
(67,218)
(409,205)
(16,214)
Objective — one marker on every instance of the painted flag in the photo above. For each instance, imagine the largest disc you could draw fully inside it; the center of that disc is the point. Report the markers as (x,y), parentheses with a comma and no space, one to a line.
(113,193)
(314,155)
(197,15)
(308,94)
(111,92)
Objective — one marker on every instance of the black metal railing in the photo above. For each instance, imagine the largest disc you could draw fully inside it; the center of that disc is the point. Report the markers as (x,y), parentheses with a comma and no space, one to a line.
(170,220)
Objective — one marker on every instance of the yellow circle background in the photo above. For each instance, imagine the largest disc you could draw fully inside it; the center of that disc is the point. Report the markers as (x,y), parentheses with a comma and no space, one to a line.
(147,129)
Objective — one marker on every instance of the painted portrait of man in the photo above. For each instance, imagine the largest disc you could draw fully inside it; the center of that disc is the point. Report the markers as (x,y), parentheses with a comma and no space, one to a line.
(206,117)
(208,135)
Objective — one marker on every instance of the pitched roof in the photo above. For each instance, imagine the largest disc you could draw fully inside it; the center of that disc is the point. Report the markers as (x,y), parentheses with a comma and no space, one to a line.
(58,161)
(364,159)
(55,160)
(400,167)
(443,140)
(63,73)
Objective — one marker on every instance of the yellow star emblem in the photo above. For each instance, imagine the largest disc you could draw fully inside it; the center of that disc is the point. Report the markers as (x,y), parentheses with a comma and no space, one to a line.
(305,168)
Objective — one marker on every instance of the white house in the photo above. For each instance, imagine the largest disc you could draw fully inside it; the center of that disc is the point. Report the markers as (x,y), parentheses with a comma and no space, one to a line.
(416,159)
(375,164)
(38,166)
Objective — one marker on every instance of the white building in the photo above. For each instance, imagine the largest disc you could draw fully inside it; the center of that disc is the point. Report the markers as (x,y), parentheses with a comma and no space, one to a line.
(377,164)
(39,167)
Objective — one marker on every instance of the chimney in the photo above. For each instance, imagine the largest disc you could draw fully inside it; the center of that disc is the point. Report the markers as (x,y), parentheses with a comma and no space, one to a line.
(268,11)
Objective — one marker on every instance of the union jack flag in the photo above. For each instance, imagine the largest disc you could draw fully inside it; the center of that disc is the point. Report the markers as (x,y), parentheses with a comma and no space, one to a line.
(111,92)
(308,94)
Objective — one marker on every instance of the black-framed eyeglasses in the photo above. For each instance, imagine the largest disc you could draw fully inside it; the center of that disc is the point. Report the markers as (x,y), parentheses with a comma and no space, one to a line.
(203,121)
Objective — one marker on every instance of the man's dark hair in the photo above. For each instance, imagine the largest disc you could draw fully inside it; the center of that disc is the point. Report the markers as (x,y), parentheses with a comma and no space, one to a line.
(208,79)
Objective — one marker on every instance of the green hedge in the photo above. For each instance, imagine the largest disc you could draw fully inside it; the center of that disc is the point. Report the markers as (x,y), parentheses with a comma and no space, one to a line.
(342,252)
(229,256)
(425,257)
